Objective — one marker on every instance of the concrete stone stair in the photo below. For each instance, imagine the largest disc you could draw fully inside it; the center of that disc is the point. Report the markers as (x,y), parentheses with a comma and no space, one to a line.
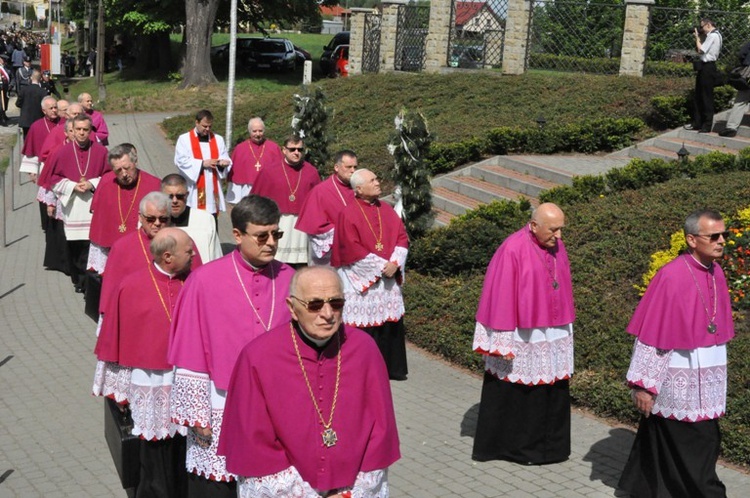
(513,177)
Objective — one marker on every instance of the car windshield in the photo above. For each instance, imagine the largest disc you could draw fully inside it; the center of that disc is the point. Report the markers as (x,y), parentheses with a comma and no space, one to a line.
(270,46)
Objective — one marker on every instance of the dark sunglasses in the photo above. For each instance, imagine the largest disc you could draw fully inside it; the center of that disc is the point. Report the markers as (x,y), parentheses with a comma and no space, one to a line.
(152,219)
(337,303)
(713,237)
(295,149)
(179,197)
(262,238)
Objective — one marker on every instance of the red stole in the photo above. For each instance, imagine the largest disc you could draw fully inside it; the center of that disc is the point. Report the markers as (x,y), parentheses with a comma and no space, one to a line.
(198,154)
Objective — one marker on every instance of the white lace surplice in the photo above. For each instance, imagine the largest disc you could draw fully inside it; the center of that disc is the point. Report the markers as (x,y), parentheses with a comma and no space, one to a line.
(370,299)
(690,385)
(289,484)
(541,355)
(196,402)
(147,393)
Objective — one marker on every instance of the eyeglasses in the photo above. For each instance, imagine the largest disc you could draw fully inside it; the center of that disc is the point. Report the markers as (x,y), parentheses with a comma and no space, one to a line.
(295,149)
(152,219)
(179,197)
(262,238)
(337,303)
(713,237)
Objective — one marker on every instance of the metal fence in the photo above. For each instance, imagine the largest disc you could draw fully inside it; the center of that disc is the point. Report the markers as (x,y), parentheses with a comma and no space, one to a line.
(671,43)
(575,36)
(477,34)
(371,49)
(411,37)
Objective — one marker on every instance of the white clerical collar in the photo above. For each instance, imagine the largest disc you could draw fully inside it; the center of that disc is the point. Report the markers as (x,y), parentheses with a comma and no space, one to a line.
(162,271)
(318,342)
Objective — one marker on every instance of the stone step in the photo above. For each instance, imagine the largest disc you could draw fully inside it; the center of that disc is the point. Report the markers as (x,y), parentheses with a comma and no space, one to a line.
(648,152)
(442,218)
(523,183)
(535,166)
(739,142)
(693,147)
(482,191)
(452,202)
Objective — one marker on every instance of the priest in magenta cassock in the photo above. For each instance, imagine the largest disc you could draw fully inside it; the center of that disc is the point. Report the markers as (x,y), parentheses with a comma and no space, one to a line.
(133,368)
(323,205)
(201,157)
(678,371)
(524,329)
(370,247)
(249,158)
(288,182)
(115,204)
(74,174)
(32,147)
(283,440)
(224,305)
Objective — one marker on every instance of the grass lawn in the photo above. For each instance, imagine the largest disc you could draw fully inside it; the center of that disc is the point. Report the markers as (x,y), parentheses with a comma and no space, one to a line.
(458,105)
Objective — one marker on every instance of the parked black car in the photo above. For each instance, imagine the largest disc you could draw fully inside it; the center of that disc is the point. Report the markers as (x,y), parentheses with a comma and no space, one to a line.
(263,53)
(341,38)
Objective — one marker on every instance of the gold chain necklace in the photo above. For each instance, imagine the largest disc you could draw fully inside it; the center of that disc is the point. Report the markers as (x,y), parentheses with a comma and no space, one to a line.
(158,291)
(78,163)
(711,318)
(257,158)
(553,272)
(299,179)
(143,247)
(329,435)
(378,239)
(122,228)
(273,295)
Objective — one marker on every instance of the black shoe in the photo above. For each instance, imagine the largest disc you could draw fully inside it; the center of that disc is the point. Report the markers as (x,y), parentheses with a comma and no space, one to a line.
(705,129)
(728,133)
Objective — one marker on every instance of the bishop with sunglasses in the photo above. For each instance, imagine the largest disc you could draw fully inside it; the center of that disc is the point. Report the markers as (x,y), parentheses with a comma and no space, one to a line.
(224,306)
(678,371)
(309,411)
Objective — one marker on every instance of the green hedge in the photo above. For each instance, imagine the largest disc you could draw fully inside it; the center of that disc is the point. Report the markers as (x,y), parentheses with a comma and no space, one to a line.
(605,65)
(609,240)
(671,111)
(640,173)
(585,136)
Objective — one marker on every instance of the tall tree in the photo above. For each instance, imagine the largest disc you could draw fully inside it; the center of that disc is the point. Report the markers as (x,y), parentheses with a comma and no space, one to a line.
(199,24)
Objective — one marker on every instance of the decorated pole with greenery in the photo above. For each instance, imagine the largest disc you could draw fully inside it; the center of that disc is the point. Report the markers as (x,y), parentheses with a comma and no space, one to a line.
(409,145)
(310,122)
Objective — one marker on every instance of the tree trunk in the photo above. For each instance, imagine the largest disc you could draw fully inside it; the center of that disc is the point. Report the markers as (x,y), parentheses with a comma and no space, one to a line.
(196,66)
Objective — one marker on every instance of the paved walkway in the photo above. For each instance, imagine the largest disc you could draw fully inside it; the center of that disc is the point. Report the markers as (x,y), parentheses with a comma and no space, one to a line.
(51,428)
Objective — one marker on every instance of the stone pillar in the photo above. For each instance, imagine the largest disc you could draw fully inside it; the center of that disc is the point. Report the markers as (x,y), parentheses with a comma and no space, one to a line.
(516,36)
(388,32)
(357,39)
(634,37)
(438,36)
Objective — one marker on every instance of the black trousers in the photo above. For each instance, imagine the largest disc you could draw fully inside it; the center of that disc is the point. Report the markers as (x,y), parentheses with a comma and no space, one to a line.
(670,458)
(56,250)
(200,487)
(391,340)
(703,115)
(163,473)
(78,254)
(523,424)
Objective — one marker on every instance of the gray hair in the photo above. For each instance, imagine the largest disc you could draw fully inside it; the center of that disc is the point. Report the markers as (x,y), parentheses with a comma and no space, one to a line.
(47,99)
(157,199)
(256,118)
(357,178)
(691,222)
(118,151)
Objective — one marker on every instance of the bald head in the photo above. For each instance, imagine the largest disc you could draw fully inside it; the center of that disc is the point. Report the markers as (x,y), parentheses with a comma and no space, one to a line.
(173,250)
(316,287)
(547,222)
(62,108)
